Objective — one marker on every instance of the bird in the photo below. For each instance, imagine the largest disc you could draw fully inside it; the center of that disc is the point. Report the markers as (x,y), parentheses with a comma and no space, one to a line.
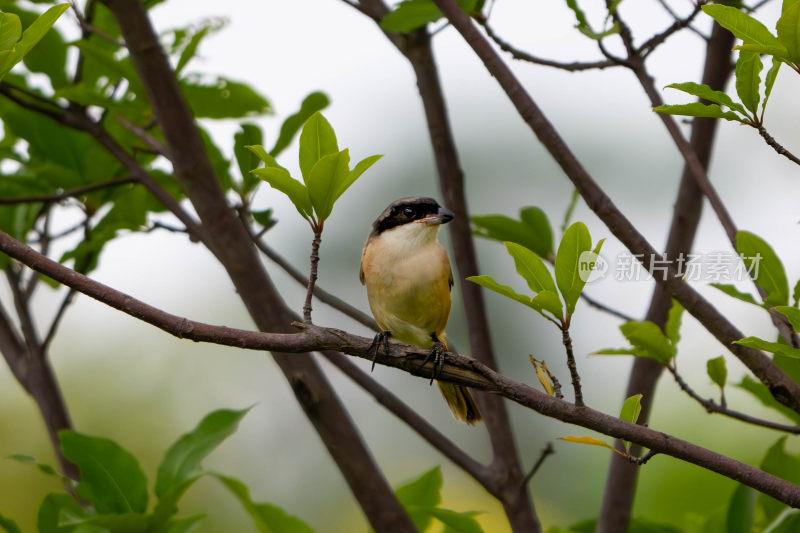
(408,279)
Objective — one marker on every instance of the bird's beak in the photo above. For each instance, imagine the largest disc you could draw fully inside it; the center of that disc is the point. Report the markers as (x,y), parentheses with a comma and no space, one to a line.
(443,216)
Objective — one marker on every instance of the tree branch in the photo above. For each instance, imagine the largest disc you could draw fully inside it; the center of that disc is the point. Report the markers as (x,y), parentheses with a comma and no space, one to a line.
(516,53)
(781,386)
(712,407)
(70,193)
(621,479)
(230,243)
(457,369)
(777,146)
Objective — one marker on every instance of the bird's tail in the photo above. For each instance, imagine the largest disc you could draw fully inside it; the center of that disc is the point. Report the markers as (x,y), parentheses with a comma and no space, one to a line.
(461,402)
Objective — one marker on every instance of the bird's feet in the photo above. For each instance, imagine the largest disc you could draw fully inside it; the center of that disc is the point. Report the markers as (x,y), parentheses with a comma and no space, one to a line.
(381,339)
(437,356)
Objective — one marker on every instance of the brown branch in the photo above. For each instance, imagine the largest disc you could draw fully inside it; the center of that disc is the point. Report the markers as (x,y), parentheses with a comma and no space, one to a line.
(677,18)
(415,421)
(781,386)
(621,479)
(228,241)
(547,451)
(777,146)
(70,193)
(457,369)
(517,502)
(319,293)
(653,42)
(152,143)
(712,407)
(516,53)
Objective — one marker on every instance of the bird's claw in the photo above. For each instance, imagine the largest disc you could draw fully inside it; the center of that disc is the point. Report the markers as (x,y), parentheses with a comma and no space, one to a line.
(437,356)
(381,339)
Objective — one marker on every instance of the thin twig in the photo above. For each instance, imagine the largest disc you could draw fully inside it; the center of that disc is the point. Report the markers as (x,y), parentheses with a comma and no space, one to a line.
(573,368)
(712,407)
(312,278)
(641,461)
(777,146)
(680,23)
(154,144)
(51,332)
(321,294)
(516,53)
(546,451)
(412,419)
(606,309)
(70,193)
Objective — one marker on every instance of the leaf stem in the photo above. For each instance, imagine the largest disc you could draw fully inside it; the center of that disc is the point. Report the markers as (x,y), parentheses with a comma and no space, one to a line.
(312,278)
(573,369)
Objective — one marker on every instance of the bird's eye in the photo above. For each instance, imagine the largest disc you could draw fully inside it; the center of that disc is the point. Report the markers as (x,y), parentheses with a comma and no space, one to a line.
(408,211)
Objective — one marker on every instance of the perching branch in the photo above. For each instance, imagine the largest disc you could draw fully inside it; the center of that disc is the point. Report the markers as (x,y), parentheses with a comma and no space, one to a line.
(573,368)
(781,386)
(457,369)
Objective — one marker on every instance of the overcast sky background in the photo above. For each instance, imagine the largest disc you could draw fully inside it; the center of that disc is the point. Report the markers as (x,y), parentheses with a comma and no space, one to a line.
(126,380)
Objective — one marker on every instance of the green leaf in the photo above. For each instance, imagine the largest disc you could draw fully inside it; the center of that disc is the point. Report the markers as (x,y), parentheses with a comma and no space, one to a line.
(762,394)
(266,517)
(672,328)
(410,15)
(110,477)
(280,179)
(10,30)
(791,313)
(489,283)
(423,492)
(717,371)
(329,171)
(532,230)
(111,67)
(698,109)
(247,159)
(223,99)
(457,522)
(796,294)
(769,81)
(765,267)
(549,301)
(743,26)
(789,524)
(748,79)
(56,508)
(191,48)
(342,184)
(184,525)
(741,510)
(183,459)
(630,413)
(730,290)
(783,465)
(707,93)
(8,525)
(42,467)
(631,409)
(788,27)
(264,217)
(312,103)
(37,30)
(531,267)
(262,155)
(771,347)
(648,340)
(575,242)
(316,141)
(118,523)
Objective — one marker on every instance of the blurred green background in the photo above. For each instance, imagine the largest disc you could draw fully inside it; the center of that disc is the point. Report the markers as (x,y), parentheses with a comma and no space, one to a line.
(125,380)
